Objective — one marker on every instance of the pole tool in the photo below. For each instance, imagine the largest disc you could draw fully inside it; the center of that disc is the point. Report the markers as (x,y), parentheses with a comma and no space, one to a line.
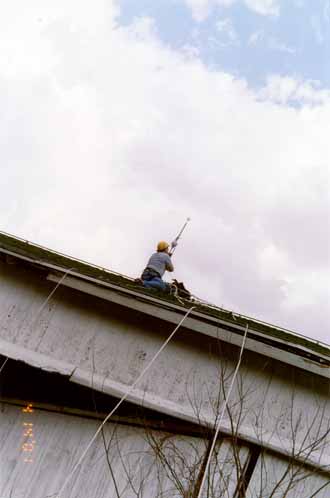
(175,241)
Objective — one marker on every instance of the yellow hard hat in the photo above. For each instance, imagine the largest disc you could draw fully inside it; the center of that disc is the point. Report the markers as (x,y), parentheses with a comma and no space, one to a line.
(162,245)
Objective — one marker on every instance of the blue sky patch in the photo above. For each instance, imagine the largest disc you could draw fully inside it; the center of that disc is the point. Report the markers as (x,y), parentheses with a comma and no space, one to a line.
(238,40)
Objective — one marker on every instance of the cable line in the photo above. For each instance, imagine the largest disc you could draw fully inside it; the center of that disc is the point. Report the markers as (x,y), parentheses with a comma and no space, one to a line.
(127,393)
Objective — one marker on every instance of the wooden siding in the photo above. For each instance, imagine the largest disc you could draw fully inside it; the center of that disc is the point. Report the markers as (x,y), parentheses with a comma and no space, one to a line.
(107,347)
(274,477)
(59,440)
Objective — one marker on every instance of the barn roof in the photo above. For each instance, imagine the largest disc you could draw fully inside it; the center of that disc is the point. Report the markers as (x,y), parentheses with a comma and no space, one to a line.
(310,351)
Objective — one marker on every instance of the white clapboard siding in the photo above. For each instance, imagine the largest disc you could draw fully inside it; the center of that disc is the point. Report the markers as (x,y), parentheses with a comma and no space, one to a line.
(273,477)
(57,441)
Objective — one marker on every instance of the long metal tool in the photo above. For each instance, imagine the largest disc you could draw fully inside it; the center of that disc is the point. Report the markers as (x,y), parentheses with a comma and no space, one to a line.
(179,236)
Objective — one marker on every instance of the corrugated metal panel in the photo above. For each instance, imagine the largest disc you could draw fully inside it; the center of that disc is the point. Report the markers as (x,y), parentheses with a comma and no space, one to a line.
(276,478)
(56,442)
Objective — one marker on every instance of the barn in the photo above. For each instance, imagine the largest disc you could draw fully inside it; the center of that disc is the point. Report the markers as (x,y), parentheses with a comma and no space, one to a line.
(109,390)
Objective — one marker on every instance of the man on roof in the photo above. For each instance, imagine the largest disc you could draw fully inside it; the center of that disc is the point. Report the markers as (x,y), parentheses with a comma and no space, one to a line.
(158,263)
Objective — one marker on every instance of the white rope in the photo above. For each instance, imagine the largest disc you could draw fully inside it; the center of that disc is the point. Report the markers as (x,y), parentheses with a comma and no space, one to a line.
(33,322)
(176,294)
(222,414)
(130,389)
(3,365)
(34,319)
(50,295)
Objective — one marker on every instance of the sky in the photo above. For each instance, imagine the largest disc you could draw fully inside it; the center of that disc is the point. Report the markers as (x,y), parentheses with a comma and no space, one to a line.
(119,119)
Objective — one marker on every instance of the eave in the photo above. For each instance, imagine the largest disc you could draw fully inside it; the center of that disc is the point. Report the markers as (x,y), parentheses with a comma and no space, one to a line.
(267,340)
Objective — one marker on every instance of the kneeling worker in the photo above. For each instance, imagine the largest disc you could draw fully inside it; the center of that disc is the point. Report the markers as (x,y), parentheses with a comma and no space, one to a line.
(159,262)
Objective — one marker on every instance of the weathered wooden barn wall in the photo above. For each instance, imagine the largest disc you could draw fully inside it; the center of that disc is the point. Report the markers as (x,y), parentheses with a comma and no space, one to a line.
(272,477)
(59,440)
(109,346)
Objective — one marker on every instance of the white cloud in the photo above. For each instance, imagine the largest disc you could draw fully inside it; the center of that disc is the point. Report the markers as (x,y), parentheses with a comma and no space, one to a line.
(278,45)
(144,28)
(227,32)
(110,139)
(272,43)
(201,9)
(225,3)
(285,89)
(191,51)
(264,7)
(256,37)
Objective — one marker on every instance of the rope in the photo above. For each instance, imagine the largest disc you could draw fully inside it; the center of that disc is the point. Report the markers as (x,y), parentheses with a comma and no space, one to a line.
(213,306)
(46,301)
(222,413)
(175,293)
(130,389)
(50,295)
(3,365)
(34,319)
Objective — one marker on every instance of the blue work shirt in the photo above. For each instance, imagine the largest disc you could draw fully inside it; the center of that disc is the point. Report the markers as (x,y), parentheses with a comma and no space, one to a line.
(160,262)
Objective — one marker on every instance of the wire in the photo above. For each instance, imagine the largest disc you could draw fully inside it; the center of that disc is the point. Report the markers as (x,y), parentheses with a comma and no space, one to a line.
(127,393)
(222,413)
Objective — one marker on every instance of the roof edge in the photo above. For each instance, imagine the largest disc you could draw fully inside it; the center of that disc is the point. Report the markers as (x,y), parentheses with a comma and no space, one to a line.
(50,259)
